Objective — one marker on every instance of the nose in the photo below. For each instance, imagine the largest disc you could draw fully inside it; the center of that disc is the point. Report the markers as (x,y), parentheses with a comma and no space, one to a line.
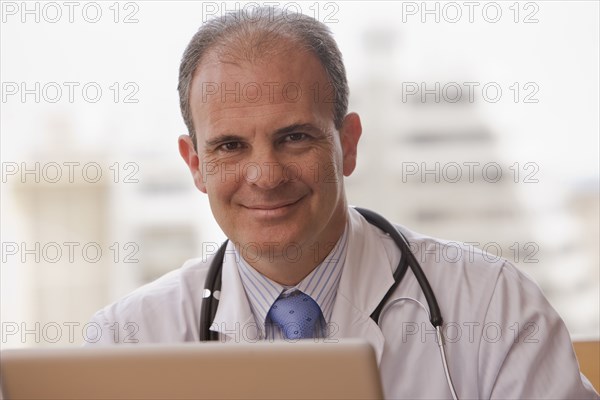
(265,171)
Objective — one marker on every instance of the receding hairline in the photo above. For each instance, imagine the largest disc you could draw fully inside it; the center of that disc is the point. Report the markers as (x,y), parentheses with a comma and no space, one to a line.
(237,53)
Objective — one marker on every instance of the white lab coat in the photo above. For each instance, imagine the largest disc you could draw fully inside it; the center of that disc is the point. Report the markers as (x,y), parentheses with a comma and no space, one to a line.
(504,340)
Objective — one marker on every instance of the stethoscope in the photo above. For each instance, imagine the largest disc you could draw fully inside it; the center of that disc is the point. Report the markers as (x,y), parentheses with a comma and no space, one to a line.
(212,289)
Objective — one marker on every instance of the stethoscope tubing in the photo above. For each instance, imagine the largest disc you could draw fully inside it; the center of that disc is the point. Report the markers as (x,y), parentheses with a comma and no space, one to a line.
(212,291)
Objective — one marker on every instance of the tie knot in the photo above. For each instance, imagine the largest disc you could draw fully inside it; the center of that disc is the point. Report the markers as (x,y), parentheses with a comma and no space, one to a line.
(297,315)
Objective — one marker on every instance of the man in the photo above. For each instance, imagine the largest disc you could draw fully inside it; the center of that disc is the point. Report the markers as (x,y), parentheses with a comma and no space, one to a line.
(264,96)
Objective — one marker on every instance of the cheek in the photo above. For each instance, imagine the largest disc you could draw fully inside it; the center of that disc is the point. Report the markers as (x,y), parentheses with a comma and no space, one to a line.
(324,169)
(219,189)
(296,172)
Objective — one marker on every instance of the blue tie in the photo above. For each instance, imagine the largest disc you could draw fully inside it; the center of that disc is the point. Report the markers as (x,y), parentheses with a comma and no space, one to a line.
(297,315)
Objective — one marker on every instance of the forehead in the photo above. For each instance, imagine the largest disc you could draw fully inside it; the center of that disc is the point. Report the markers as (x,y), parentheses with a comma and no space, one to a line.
(286,86)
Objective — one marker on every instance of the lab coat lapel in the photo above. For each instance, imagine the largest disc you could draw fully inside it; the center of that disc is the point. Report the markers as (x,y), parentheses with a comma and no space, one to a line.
(234,319)
(366,277)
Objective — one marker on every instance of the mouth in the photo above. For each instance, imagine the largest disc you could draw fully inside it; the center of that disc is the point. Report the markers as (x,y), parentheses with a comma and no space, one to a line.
(273,209)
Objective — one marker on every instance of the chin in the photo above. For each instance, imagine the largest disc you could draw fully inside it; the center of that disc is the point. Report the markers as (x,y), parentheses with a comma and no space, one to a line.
(270,240)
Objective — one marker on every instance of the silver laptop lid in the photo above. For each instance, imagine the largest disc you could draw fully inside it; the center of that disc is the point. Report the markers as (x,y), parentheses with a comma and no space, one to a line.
(278,370)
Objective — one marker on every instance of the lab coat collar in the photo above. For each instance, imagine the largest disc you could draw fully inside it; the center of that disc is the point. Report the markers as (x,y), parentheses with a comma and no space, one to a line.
(367,276)
(234,319)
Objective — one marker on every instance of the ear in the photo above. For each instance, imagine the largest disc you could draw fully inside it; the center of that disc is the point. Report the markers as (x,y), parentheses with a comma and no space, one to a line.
(189,155)
(349,135)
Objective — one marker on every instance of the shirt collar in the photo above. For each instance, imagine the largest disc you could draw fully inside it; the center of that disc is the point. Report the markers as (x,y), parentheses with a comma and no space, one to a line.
(321,284)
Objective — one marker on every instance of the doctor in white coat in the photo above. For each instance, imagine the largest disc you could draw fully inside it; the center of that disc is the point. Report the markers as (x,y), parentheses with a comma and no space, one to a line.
(264,97)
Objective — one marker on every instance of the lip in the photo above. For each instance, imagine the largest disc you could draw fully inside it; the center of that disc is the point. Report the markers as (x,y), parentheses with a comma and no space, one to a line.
(273,210)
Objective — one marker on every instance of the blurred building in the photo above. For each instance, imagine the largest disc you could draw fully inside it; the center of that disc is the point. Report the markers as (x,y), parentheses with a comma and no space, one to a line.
(433,166)
(84,240)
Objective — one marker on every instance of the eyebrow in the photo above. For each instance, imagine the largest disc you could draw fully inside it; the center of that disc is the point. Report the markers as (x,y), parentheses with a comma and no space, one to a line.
(295,128)
(279,132)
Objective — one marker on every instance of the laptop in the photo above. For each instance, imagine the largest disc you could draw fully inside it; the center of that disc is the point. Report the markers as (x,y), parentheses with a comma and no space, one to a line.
(266,370)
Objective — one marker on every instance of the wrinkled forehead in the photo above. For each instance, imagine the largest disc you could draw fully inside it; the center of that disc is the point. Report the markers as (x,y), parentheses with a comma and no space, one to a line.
(289,83)
(290,77)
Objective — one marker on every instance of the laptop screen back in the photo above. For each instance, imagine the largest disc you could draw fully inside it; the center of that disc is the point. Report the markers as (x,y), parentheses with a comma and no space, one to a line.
(277,370)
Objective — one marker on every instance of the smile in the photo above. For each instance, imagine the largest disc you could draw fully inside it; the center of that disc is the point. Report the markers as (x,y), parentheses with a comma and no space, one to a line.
(273,210)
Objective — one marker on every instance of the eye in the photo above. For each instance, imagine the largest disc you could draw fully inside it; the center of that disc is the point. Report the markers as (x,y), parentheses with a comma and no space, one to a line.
(230,146)
(296,137)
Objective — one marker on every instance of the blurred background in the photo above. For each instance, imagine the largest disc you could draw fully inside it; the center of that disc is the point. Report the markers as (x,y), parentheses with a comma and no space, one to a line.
(480,124)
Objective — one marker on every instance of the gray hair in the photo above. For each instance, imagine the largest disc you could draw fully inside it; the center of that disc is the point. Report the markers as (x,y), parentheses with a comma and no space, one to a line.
(248,32)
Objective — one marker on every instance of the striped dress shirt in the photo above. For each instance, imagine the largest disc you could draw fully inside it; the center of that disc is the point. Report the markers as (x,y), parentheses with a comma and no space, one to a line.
(321,284)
